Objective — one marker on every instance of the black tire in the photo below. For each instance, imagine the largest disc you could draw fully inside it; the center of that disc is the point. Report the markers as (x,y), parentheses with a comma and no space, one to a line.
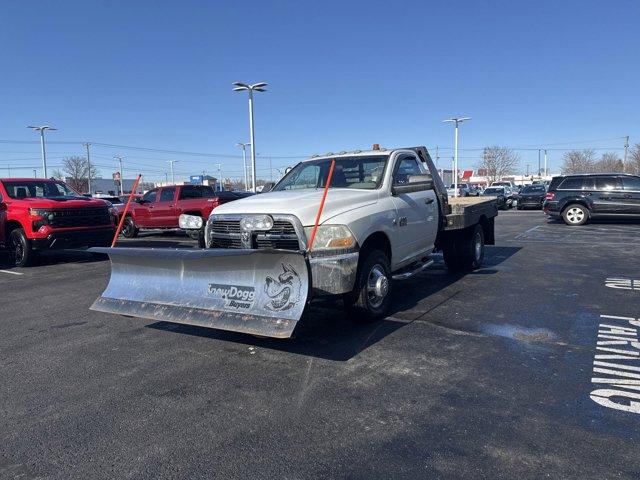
(193,234)
(575,215)
(201,242)
(21,253)
(465,252)
(129,228)
(363,304)
(471,249)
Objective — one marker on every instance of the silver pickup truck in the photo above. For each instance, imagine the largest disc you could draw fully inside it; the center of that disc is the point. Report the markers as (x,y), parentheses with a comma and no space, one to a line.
(386,211)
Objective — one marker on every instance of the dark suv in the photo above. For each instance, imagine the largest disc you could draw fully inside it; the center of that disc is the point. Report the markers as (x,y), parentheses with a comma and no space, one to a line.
(577,198)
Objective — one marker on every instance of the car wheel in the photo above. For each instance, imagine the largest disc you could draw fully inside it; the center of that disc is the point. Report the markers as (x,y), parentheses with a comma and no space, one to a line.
(129,229)
(371,295)
(21,253)
(575,215)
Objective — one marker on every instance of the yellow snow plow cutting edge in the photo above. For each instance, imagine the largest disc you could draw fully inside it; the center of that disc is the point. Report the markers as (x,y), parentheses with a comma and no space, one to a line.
(260,292)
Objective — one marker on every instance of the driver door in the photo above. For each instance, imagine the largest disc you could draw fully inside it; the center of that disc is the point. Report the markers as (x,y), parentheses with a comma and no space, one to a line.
(144,209)
(416,222)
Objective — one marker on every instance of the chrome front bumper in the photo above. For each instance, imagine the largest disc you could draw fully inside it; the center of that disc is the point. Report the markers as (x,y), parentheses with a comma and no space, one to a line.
(334,275)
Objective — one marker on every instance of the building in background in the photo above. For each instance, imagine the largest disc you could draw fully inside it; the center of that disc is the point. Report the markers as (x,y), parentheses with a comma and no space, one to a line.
(106,186)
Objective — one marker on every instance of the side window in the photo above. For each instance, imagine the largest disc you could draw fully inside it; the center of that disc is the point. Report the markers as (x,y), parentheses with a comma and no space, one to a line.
(608,183)
(571,183)
(150,196)
(631,183)
(167,194)
(187,192)
(404,168)
(207,192)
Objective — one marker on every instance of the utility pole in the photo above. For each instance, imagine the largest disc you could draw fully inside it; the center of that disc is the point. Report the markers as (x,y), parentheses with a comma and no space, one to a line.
(545,162)
(626,150)
(166,178)
(527,174)
(119,159)
(89,168)
(35,173)
(41,129)
(456,122)
(173,177)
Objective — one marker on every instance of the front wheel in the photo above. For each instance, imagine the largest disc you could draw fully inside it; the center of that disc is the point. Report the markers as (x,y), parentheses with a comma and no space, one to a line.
(21,252)
(129,229)
(575,215)
(371,294)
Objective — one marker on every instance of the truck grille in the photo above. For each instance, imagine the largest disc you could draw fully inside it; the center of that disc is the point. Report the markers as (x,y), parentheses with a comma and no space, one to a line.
(80,217)
(226,234)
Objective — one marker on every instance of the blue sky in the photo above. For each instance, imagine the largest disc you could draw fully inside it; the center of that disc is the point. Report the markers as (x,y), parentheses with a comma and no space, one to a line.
(342,75)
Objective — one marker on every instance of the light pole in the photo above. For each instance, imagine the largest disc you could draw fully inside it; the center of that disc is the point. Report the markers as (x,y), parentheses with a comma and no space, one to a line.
(244,161)
(35,173)
(219,165)
(119,159)
(456,122)
(89,168)
(173,177)
(257,87)
(41,129)
(545,162)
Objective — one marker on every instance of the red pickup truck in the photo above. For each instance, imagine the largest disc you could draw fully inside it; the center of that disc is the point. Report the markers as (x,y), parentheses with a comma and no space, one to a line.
(162,207)
(38,214)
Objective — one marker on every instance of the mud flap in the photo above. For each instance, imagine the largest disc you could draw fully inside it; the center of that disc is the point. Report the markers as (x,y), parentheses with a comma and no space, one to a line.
(261,292)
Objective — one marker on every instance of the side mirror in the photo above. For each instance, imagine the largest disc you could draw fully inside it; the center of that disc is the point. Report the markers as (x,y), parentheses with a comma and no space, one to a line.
(417,183)
(267,187)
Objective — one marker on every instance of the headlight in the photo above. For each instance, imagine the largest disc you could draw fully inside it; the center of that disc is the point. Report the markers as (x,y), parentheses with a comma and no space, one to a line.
(332,237)
(190,222)
(256,222)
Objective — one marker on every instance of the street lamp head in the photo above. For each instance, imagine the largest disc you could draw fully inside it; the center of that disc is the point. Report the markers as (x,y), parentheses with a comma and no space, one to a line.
(259,85)
(42,128)
(456,120)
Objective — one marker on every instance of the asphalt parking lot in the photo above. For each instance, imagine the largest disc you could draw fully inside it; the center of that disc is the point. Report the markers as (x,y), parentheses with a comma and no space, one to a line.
(485,375)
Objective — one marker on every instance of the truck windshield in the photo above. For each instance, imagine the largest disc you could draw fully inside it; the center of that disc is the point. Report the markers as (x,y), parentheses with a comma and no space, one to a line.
(38,189)
(350,172)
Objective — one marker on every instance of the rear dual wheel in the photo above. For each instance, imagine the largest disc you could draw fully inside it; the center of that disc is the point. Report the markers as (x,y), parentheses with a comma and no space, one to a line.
(466,251)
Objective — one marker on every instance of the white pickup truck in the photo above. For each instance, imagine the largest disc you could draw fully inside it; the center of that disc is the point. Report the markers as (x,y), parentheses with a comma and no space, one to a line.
(386,211)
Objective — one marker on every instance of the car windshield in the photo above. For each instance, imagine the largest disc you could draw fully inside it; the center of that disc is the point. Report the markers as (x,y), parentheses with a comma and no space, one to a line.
(350,172)
(38,189)
(494,191)
(534,189)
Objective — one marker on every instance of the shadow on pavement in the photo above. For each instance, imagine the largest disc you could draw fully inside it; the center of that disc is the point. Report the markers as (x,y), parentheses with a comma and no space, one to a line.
(326,331)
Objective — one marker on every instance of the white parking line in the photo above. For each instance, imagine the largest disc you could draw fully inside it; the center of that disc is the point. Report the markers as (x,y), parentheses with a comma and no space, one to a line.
(12,273)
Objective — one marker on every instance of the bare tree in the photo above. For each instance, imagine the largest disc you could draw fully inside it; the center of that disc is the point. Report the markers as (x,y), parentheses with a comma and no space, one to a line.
(610,162)
(634,160)
(498,162)
(578,161)
(76,170)
(57,174)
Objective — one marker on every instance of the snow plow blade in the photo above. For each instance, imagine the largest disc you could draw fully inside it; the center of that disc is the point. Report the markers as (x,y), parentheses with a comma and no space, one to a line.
(260,292)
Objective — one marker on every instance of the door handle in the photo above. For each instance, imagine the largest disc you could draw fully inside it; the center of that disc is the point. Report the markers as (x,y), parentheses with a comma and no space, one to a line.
(428,201)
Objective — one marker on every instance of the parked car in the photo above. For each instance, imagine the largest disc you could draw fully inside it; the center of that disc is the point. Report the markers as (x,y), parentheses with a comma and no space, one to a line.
(161,208)
(44,214)
(531,196)
(464,190)
(503,196)
(578,198)
(503,183)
